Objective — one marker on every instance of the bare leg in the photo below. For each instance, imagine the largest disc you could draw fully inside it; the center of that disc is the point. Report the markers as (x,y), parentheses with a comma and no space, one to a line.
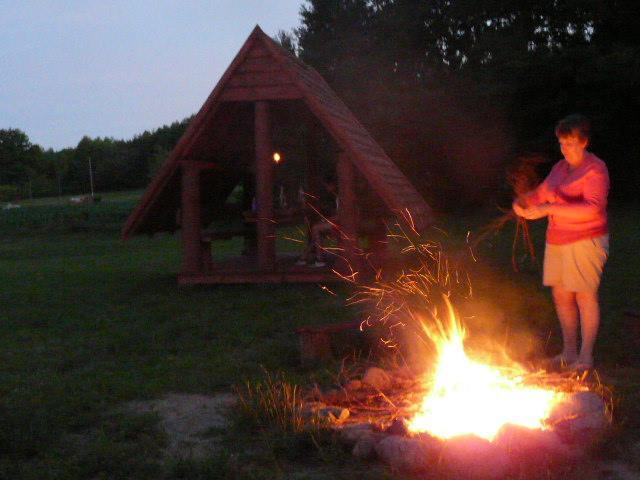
(317,231)
(589,323)
(567,310)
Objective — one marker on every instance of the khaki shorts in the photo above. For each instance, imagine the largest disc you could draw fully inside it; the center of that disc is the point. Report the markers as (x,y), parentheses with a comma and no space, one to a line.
(577,266)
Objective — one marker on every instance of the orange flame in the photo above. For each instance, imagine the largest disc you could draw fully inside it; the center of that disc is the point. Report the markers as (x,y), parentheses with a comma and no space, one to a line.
(471,398)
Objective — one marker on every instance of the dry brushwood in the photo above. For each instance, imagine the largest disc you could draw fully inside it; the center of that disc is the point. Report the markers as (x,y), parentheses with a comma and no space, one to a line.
(522,178)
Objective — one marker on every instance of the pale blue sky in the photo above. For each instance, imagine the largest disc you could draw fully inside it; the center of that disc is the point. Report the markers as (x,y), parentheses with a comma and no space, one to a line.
(115,68)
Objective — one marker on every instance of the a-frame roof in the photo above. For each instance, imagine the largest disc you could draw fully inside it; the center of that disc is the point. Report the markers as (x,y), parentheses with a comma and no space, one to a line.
(262,70)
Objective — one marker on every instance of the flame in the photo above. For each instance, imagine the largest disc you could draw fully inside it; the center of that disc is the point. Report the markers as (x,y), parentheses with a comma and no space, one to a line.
(468,397)
(277,157)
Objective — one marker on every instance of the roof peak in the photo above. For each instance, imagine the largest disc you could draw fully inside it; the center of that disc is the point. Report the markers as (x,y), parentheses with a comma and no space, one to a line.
(257,30)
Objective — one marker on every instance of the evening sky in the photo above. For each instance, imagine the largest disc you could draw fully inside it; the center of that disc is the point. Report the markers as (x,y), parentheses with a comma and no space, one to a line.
(115,68)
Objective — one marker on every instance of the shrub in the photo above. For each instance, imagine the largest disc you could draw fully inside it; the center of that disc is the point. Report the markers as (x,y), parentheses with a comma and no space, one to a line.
(8,192)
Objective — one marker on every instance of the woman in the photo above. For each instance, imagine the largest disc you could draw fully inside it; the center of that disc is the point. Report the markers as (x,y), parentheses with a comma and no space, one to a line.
(574,197)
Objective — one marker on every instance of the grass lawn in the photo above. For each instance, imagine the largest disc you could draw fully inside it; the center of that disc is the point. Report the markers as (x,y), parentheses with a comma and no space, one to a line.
(110,197)
(88,322)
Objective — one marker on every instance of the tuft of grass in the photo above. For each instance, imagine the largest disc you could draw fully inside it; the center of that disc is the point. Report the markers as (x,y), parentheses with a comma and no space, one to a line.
(272,403)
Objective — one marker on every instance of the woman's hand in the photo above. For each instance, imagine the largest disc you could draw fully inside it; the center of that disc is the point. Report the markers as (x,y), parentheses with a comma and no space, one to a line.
(532,213)
(518,208)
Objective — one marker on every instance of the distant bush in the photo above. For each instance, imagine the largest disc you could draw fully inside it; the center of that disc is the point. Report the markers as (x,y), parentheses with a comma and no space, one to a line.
(8,192)
(103,216)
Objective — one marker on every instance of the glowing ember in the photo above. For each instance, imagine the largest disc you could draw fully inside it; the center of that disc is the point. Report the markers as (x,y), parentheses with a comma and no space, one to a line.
(468,397)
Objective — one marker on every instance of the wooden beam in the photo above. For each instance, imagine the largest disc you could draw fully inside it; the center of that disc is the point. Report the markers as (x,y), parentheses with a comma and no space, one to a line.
(257,79)
(250,94)
(250,241)
(264,188)
(347,209)
(259,65)
(312,150)
(191,221)
(191,164)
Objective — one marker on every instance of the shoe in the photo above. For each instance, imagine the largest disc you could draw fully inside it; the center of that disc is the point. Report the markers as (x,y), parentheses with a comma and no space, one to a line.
(557,363)
(301,261)
(580,367)
(319,263)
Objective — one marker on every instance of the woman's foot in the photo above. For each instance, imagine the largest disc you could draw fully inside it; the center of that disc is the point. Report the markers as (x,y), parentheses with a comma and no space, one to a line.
(561,361)
(581,365)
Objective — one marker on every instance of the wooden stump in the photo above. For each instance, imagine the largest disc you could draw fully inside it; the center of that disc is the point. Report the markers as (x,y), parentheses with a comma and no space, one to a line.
(315,340)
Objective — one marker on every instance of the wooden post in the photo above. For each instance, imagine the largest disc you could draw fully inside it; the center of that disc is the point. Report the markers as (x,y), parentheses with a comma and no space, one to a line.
(191,220)
(347,209)
(264,188)
(312,152)
(250,242)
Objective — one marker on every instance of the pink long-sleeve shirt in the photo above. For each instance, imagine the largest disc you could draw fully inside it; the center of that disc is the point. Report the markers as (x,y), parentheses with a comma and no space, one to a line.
(578,200)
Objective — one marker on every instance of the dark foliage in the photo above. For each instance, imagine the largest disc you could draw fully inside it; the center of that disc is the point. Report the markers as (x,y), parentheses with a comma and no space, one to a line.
(455,90)
(116,164)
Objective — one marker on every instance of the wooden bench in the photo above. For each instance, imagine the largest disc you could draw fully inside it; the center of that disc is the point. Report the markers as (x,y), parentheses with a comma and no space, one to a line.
(315,340)
(223,234)
(208,236)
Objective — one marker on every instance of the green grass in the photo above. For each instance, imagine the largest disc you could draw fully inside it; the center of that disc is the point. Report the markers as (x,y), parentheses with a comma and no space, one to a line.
(88,322)
(57,215)
(125,196)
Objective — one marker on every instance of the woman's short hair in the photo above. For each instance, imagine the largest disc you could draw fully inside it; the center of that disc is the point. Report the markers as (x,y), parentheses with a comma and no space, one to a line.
(574,124)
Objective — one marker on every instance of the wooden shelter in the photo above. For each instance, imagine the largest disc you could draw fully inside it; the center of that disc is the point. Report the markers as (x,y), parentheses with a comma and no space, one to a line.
(229,142)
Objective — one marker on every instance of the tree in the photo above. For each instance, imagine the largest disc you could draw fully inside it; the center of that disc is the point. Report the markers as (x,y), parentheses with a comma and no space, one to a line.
(18,157)
(455,89)
(287,41)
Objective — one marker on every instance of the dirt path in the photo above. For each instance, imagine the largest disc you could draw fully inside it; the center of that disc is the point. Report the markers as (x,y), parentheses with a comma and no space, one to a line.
(194,424)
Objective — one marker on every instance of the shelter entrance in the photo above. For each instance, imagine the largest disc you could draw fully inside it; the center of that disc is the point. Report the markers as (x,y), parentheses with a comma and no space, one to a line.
(268,135)
(286,178)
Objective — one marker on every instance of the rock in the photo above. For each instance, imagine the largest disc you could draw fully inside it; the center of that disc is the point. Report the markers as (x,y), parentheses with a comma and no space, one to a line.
(350,434)
(617,471)
(532,449)
(377,378)
(402,374)
(398,427)
(578,404)
(333,415)
(353,385)
(332,396)
(581,418)
(408,454)
(365,448)
(311,409)
(474,457)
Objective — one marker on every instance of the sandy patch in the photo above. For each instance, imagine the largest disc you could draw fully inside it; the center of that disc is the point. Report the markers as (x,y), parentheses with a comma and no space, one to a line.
(194,424)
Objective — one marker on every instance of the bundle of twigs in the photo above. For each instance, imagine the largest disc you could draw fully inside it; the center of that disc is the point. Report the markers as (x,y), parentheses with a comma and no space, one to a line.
(523,178)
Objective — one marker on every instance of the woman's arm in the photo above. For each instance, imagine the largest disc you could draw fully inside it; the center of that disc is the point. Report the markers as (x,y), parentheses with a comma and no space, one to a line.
(596,189)
(525,204)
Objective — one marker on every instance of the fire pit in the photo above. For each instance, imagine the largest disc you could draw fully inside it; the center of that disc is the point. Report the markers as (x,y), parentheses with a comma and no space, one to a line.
(466,415)
(395,425)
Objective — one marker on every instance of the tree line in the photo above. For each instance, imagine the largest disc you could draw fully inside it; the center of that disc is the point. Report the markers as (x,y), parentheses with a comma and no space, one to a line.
(454,90)
(28,170)
(457,90)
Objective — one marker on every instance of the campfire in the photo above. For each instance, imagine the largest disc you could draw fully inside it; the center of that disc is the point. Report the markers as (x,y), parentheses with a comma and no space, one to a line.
(475,416)
(498,394)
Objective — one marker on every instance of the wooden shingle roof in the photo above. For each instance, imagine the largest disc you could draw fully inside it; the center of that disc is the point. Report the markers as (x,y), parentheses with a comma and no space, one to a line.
(262,70)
